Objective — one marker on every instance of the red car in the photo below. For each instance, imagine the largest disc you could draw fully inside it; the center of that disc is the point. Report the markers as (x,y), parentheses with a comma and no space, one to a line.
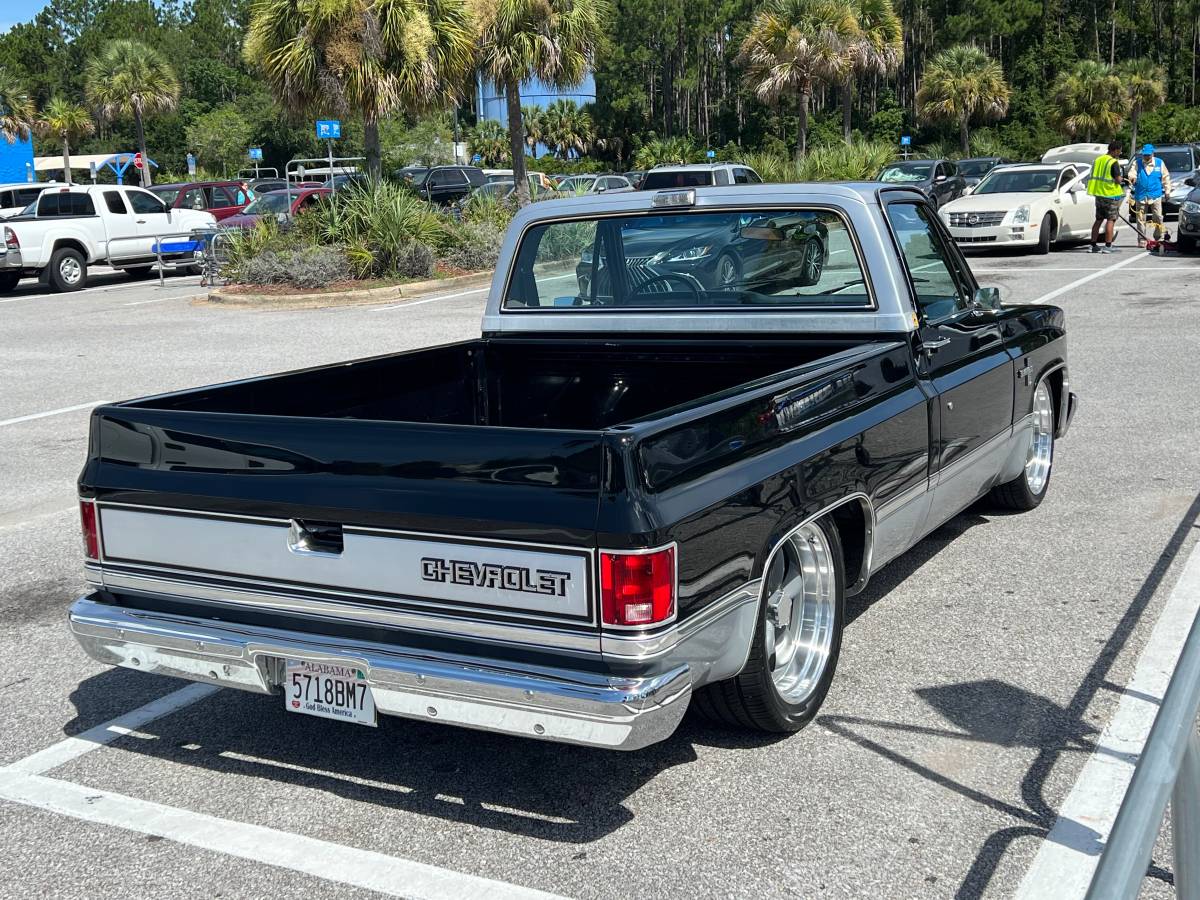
(221,198)
(275,203)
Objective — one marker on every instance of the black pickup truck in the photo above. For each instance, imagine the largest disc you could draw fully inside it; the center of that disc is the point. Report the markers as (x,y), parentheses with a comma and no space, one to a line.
(652,482)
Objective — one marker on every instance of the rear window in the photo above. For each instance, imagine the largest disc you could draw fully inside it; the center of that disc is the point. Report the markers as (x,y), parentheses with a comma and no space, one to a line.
(57,203)
(741,260)
(694,178)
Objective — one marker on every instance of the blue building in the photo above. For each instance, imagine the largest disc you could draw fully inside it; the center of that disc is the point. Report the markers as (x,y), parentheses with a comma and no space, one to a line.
(16,160)
(490,102)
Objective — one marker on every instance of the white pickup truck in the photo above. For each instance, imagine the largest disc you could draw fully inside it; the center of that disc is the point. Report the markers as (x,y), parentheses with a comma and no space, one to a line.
(65,230)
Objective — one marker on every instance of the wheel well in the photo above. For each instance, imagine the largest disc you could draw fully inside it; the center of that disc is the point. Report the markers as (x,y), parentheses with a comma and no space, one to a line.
(68,244)
(1055,380)
(853,521)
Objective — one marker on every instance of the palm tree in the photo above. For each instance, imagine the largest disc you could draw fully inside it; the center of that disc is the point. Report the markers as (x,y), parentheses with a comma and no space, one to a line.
(128,78)
(878,48)
(554,41)
(531,116)
(16,109)
(1089,100)
(567,127)
(960,84)
(66,121)
(360,57)
(490,140)
(1146,87)
(793,44)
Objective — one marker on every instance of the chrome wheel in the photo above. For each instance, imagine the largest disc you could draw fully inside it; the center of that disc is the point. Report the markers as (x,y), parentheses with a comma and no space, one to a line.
(801,613)
(727,272)
(1041,441)
(70,270)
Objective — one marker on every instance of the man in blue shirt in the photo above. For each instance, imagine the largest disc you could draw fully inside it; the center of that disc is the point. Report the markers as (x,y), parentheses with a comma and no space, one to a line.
(1149,183)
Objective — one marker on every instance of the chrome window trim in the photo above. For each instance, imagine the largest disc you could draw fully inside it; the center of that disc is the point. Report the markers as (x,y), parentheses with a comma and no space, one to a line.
(872,305)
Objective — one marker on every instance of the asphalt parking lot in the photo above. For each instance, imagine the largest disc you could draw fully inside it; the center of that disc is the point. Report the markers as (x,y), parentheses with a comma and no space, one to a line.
(978,672)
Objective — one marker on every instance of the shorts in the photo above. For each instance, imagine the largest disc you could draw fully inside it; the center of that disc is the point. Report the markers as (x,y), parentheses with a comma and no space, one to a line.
(1108,208)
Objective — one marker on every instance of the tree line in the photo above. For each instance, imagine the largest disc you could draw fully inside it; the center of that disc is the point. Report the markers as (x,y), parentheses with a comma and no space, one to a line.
(217,76)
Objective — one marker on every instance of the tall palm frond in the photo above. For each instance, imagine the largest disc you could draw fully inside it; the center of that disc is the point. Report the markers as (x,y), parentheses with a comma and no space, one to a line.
(960,84)
(1089,100)
(67,122)
(16,108)
(1146,88)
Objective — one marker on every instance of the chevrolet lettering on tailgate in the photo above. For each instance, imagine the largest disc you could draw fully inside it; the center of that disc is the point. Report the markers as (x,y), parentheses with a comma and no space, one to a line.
(493,575)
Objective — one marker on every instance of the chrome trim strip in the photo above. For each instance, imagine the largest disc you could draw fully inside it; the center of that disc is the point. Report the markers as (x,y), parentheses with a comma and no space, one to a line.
(897,502)
(653,646)
(544,703)
(424,622)
(955,468)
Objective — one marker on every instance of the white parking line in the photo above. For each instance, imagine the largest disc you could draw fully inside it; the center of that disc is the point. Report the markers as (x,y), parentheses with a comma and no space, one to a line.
(408,303)
(1015,271)
(95,738)
(103,287)
(1078,282)
(321,859)
(1068,856)
(50,412)
(142,302)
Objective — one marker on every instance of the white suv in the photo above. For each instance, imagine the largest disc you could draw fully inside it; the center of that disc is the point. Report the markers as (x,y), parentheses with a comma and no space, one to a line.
(702,175)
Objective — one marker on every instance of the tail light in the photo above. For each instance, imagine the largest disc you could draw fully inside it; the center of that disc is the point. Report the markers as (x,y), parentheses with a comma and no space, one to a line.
(637,588)
(91,529)
(10,239)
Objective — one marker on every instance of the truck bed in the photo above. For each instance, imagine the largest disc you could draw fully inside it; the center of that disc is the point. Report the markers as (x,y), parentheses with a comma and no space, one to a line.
(561,384)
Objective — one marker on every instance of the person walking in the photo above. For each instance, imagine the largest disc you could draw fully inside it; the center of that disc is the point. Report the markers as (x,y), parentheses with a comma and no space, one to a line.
(1150,182)
(1106,184)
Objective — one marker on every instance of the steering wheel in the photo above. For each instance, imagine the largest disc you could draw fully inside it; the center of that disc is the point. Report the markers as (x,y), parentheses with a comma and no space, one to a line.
(690,280)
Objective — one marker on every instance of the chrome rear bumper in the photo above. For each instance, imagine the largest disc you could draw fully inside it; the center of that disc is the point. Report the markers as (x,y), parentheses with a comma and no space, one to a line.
(550,704)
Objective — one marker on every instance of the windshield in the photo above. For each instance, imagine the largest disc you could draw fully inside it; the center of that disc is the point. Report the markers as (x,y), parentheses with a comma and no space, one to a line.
(975,168)
(1038,181)
(902,173)
(739,260)
(168,195)
(1178,162)
(268,204)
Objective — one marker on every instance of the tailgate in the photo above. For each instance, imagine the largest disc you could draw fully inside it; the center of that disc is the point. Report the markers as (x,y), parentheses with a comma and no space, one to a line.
(487,521)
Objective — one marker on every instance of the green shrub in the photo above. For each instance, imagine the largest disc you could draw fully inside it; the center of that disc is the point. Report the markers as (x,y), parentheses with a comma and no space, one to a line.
(839,161)
(668,152)
(306,267)
(480,209)
(478,248)
(414,260)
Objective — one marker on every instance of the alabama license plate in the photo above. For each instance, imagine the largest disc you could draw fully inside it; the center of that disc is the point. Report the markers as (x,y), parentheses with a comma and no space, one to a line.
(330,690)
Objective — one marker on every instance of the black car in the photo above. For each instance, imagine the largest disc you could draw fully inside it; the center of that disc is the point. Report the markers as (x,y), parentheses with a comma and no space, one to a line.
(737,253)
(442,184)
(937,179)
(972,170)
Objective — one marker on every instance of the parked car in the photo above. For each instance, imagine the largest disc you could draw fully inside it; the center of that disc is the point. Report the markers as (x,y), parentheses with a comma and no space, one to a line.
(762,253)
(504,190)
(442,184)
(67,229)
(613,504)
(661,177)
(972,170)
(593,184)
(14,198)
(536,179)
(635,178)
(221,198)
(1188,232)
(1034,206)
(266,185)
(282,205)
(937,179)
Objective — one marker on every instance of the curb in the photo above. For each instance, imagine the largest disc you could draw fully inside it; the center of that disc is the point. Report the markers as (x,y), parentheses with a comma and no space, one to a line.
(412,290)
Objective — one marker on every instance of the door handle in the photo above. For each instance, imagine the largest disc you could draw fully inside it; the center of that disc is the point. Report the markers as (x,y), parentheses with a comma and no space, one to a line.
(935,344)
(141,221)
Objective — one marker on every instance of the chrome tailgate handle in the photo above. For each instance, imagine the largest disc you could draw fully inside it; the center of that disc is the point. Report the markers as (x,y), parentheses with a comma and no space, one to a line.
(315,538)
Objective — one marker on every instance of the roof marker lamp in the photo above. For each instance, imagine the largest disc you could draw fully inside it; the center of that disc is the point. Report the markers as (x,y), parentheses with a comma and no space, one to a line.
(671,199)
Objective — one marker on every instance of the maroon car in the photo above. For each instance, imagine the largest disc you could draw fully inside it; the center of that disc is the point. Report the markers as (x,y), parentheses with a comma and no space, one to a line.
(221,198)
(275,203)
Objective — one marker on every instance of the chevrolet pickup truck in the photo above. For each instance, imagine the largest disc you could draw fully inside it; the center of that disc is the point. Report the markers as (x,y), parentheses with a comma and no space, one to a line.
(650,484)
(67,228)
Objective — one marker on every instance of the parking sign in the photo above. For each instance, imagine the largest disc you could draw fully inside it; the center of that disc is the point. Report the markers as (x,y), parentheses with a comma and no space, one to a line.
(256,152)
(329,129)
(906,140)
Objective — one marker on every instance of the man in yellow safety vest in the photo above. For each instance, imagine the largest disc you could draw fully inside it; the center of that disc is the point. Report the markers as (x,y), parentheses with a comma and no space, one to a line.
(1106,184)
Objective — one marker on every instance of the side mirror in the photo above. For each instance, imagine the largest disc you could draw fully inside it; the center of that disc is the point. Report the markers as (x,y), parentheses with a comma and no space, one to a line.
(939,179)
(987,297)
(970,188)
(1190,181)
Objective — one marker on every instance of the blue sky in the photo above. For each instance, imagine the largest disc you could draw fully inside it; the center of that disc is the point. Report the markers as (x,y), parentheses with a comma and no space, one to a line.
(15,11)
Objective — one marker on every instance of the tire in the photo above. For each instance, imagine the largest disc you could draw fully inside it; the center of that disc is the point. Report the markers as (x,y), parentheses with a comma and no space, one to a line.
(1046,237)
(138,271)
(728,271)
(192,270)
(1186,244)
(68,270)
(814,263)
(755,700)
(1027,490)
(9,281)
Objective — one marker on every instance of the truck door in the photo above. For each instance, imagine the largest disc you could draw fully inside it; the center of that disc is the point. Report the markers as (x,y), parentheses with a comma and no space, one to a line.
(150,216)
(121,227)
(961,355)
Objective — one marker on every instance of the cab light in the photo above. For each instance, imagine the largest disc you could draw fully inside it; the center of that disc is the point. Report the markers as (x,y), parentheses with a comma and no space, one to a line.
(637,588)
(91,529)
